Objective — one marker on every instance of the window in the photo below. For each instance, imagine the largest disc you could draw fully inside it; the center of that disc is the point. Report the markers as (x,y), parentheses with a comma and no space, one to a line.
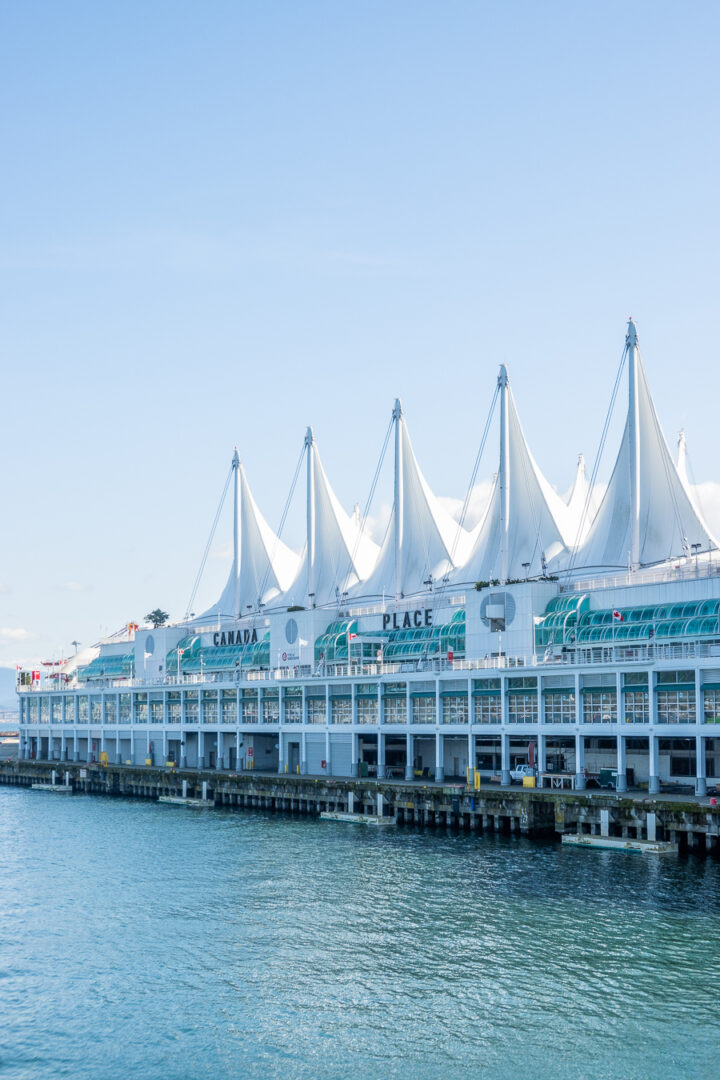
(676,706)
(423,709)
(271,710)
(367,710)
(560,707)
(637,707)
(293,710)
(316,710)
(455,709)
(341,710)
(711,706)
(250,710)
(522,708)
(600,707)
(229,707)
(487,709)
(395,709)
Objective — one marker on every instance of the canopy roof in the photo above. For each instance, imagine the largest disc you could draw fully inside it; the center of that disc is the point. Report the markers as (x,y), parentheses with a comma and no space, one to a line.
(647,515)
(337,554)
(526,522)
(423,541)
(263,566)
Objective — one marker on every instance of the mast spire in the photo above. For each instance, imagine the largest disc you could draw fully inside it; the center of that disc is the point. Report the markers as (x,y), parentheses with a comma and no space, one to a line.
(634,442)
(309,444)
(504,475)
(236,533)
(399,499)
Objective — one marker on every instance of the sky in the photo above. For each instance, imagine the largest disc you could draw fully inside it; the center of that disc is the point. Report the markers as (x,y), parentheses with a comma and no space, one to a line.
(223,221)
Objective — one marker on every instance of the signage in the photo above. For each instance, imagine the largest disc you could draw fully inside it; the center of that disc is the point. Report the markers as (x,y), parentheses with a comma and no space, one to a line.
(400,620)
(250,751)
(234,637)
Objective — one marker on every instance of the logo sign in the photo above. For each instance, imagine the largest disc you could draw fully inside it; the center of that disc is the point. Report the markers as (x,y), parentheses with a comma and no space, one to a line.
(234,637)
(404,620)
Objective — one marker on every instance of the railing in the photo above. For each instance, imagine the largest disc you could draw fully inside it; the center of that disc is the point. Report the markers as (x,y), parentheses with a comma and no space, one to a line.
(685,570)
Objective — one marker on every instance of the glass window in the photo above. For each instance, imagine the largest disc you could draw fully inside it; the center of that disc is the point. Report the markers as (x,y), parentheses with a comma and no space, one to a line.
(637,707)
(395,709)
(560,707)
(455,709)
(676,706)
(341,710)
(293,710)
(367,710)
(423,709)
(316,710)
(487,709)
(711,706)
(600,707)
(522,708)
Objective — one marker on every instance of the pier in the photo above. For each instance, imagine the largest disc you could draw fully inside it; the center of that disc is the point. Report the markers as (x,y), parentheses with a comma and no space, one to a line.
(691,823)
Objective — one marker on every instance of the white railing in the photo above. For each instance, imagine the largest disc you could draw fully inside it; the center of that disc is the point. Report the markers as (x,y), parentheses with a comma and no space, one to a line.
(683,570)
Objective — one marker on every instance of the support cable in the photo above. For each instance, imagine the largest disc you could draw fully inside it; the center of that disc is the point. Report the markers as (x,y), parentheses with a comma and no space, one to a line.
(196,586)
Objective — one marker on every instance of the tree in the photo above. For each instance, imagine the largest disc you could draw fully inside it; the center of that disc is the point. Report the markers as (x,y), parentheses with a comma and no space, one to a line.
(158,617)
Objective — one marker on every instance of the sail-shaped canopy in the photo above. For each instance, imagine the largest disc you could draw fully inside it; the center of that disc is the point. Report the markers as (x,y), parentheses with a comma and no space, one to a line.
(338,554)
(526,522)
(423,541)
(647,514)
(581,504)
(682,464)
(263,566)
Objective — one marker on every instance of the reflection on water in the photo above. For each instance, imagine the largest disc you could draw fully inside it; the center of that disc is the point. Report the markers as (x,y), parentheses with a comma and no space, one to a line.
(150,941)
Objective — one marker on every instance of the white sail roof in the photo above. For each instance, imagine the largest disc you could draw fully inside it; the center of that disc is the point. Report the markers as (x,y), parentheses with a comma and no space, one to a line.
(581,504)
(526,521)
(263,566)
(682,466)
(338,554)
(647,514)
(423,541)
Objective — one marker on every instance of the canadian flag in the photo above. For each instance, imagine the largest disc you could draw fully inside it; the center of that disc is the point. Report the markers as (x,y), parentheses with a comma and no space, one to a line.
(618,616)
(351,637)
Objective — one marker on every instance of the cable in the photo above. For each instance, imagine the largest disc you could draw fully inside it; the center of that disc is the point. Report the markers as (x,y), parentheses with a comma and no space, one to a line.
(196,586)
(596,464)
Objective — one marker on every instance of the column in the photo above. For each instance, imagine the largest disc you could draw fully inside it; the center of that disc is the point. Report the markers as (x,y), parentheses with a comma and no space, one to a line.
(381,755)
(281,751)
(353,722)
(76,746)
(328,759)
(409,756)
(303,746)
(439,757)
(201,746)
(621,782)
(261,706)
(700,774)
(579,761)
(505,759)
(504,739)
(541,756)
(653,745)
(117,747)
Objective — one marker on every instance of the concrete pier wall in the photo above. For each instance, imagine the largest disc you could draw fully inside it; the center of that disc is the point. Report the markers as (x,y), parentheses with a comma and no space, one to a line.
(693,824)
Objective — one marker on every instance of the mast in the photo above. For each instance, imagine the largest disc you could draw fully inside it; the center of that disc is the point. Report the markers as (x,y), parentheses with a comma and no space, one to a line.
(399,500)
(236,534)
(309,442)
(634,442)
(504,475)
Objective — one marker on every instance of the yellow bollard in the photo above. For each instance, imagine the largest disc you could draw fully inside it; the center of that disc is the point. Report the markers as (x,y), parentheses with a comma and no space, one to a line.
(477,780)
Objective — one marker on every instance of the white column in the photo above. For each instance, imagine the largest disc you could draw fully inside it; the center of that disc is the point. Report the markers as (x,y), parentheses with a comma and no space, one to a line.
(504,738)
(579,761)
(409,756)
(654,781)
(700,773)
(621,783)
(353,721)
(439,756)
(380,754)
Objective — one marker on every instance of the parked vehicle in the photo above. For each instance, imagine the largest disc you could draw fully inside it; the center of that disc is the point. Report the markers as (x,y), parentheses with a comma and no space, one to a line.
(520,772)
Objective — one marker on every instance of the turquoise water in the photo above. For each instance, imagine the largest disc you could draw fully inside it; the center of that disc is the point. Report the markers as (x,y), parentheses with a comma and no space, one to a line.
(144,941)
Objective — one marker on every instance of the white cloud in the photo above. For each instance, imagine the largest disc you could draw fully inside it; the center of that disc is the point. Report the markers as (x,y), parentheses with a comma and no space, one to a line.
(12,633)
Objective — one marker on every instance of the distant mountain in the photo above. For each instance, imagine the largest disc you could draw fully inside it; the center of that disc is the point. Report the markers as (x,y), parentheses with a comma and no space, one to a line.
(8,700)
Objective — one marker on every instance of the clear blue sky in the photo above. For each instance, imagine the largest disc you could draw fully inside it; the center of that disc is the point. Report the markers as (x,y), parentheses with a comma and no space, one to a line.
(222,221)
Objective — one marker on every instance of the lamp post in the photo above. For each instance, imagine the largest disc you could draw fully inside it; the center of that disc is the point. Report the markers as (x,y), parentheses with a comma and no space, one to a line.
(696,548)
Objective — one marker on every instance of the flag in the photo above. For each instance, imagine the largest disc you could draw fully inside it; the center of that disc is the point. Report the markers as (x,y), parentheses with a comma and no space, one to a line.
(351,637)
(618,617)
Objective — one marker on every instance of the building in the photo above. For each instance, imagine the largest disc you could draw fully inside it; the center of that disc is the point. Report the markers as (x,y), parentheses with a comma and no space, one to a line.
(570,636)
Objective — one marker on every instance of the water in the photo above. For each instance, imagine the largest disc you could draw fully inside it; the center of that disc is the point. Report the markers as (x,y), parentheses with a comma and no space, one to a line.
(149,941)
